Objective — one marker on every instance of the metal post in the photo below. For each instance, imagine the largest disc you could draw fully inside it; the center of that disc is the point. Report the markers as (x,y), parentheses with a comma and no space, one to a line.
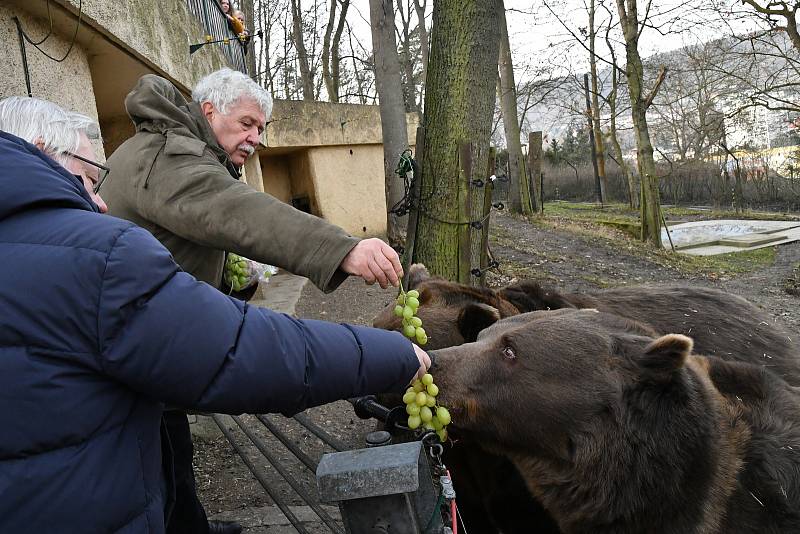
(24,54)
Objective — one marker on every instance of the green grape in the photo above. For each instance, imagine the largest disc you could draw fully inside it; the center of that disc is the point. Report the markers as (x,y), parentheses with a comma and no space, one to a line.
(417,386)
(443,415)
(422,398)
(421,335)
(437,425)
(408,312)
(427,426)
(412,409)
(431,401)
(398,310)
(401,299)
(427,379)
(414,421)
(410,396)
(409,331)
(413,293)
(412,302)
(425,414)
(442,435)
(432,389)
(415,321)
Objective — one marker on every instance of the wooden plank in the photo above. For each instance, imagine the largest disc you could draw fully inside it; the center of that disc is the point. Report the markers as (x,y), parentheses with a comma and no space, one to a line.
(464,211)
(487,208)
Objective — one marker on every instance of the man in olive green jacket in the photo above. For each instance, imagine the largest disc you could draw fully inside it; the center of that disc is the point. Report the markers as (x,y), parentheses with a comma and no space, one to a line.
(178,177)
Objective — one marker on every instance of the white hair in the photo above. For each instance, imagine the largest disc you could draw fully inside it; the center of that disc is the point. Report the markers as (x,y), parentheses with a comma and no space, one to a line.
(226,86)
(34,119)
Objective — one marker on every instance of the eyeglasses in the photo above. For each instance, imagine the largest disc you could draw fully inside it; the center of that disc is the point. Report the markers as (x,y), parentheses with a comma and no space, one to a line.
(101,176)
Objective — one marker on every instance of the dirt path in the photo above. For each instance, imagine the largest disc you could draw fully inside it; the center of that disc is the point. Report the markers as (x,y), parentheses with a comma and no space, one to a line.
(570,261)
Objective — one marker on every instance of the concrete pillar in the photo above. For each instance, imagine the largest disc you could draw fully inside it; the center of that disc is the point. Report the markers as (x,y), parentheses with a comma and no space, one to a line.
(252,173)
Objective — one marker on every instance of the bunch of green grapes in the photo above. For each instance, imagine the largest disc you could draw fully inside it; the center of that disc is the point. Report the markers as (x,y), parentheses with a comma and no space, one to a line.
(407,304)
(422,408)
(237,273)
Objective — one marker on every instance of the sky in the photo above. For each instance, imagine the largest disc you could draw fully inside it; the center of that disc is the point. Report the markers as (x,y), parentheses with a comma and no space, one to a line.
(537,37)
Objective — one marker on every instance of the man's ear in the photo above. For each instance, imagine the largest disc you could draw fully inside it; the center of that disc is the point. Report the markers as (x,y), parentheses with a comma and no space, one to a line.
(208,110)
(39,143)
(664,356)
(475,317)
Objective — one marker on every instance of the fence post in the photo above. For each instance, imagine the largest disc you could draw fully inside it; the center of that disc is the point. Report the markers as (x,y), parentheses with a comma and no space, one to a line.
(487,208)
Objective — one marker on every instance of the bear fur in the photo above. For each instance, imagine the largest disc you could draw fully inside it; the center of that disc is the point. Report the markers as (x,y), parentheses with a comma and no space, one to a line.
(492,494)
(617,431)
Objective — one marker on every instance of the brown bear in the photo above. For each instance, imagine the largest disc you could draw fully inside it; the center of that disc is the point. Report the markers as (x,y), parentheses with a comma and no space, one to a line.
(494,496)
(719,323)
(617,431)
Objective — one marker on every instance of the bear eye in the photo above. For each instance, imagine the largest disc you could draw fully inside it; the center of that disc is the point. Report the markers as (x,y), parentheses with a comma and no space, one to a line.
(509,353)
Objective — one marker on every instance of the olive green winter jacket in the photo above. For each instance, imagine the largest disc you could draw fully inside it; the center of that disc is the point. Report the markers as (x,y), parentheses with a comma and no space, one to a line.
(173,179)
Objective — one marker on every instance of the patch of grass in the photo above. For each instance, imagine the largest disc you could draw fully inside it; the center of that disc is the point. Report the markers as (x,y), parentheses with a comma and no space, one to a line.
(719,264)
(618,212)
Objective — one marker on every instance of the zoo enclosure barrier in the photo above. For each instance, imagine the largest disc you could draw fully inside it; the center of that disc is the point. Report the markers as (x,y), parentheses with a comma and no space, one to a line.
(402,486)
(216,28)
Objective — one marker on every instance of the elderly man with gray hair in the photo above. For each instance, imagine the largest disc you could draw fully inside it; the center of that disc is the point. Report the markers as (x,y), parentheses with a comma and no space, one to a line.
(100,329)
(178,177)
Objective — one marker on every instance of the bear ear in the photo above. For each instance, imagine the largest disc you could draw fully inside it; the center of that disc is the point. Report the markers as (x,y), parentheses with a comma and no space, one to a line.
(529,296)
(475,317)
(417,274)
(664,356)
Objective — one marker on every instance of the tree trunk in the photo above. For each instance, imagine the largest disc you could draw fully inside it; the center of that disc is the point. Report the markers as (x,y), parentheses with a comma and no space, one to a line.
(419,7)
(302,55)
(330,49)
(459,103)
(519,190)
(598,133)
(650,204)
(393,116)
(250,22)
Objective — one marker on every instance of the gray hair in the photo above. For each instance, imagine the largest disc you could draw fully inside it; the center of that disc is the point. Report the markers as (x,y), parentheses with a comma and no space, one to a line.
(34,119)
(224,87)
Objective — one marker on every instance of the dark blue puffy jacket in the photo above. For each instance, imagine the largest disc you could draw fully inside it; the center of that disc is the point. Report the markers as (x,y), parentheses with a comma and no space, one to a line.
(99,328)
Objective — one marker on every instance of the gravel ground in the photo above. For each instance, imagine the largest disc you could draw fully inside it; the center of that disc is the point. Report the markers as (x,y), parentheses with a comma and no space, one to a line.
(570,261)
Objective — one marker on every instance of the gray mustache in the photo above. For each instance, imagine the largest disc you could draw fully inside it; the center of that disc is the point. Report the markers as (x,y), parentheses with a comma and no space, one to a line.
(246,148)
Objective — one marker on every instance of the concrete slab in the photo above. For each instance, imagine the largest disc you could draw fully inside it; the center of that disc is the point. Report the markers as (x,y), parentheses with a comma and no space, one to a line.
(706,238)
(281,293)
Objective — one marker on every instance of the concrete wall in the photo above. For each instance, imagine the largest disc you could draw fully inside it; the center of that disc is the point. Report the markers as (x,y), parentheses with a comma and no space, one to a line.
(68,84)
(157,32)
(348,181)
(117,42)
(301,123)
(276,177)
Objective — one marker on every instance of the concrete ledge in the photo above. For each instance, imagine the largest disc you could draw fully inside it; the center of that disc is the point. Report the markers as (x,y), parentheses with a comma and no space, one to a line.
(281,293)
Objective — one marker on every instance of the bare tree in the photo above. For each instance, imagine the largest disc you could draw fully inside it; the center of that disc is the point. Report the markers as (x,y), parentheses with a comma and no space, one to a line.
(392,108)
(640,100)
(519,190)
(330,48)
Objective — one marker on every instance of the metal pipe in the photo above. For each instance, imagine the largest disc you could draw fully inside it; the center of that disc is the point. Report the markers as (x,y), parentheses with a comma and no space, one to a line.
(328,520)
(303,457)
(261,478)
(320,433)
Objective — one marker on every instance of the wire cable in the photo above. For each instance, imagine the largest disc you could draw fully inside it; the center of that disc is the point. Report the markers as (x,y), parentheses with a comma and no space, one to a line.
(71,44)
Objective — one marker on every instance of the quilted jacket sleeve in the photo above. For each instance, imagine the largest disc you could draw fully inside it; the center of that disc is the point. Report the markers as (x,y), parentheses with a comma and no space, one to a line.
(170,337)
